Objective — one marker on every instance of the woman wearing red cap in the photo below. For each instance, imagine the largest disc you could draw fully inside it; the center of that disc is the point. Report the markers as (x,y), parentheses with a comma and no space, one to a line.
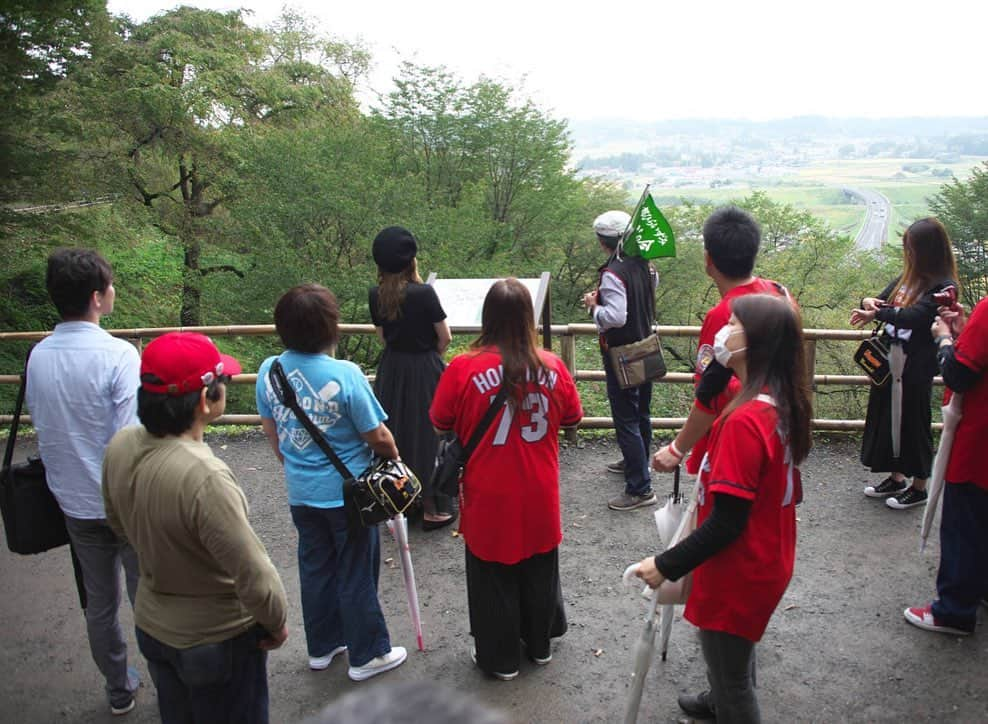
(412,324)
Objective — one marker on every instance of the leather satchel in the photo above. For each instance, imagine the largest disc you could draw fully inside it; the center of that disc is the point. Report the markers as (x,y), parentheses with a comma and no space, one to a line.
(32,519)
(639,362)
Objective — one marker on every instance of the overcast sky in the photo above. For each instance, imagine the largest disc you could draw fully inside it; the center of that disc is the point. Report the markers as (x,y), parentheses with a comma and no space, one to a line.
(664,59)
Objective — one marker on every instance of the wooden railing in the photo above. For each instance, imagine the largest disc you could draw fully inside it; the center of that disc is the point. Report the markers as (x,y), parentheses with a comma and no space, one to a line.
(567,334)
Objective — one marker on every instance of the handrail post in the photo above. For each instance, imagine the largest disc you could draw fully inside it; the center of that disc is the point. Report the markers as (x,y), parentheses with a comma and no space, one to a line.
(567,351)
(809,345)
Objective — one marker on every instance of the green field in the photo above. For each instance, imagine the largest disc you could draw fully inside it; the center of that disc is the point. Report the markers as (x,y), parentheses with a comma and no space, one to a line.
(817,189)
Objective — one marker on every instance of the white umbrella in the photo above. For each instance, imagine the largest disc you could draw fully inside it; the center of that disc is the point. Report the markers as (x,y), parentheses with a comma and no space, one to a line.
(671,521)
(644,650)
(399,529)
(668,520)
(951,418)
(897,362)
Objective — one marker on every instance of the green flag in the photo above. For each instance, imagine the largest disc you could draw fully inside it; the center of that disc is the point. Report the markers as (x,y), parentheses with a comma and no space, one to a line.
(650,236)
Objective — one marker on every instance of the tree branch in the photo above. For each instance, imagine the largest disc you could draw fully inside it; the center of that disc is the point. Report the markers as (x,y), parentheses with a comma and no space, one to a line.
(221,268)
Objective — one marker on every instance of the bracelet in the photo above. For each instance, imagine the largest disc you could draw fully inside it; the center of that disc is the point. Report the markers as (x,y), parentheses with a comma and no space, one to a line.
(675,450)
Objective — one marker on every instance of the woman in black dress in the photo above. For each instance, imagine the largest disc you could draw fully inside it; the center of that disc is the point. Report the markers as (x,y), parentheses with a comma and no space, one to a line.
(908,307)
(412,324)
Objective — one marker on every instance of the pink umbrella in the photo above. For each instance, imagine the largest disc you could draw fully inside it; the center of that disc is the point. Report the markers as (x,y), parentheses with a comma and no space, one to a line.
(399,529)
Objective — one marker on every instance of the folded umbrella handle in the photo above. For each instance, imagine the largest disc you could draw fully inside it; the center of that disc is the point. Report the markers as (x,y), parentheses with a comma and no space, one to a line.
(630,579)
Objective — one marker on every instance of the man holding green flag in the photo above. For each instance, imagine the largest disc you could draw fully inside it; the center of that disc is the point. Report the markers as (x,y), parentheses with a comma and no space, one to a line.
(623,310)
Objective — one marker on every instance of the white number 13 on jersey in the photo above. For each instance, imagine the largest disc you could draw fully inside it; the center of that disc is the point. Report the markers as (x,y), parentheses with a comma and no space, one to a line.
(537,406)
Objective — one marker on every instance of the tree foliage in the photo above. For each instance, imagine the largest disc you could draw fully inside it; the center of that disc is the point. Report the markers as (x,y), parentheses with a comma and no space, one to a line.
(962,206)
(41,43)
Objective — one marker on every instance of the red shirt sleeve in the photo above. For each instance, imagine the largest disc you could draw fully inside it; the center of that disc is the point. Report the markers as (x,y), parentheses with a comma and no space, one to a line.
(443,410)
(712,323)
(739,454)
(971,348)
(568,397)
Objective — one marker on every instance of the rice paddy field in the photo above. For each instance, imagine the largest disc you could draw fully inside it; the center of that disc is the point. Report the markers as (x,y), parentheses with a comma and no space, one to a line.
(907,183)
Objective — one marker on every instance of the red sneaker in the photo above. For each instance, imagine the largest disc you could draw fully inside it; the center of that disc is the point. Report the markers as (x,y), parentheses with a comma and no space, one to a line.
(923,618)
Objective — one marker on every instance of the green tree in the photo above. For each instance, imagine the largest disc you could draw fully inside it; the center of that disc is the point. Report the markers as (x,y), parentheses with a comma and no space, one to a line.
(40,43)
(962,206)
(167,101)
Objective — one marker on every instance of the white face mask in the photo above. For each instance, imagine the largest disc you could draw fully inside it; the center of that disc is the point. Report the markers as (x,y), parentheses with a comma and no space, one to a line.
(721,353)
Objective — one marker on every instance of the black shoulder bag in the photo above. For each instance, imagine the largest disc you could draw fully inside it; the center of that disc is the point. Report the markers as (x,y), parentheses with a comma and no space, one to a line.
(381,492)
(872,355)
(452,457)
(31,517)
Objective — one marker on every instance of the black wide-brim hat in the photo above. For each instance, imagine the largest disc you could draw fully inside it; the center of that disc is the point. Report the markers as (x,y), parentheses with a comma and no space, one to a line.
(394,249)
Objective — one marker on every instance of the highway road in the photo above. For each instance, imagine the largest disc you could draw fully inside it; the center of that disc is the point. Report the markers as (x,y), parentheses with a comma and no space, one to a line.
(875,229)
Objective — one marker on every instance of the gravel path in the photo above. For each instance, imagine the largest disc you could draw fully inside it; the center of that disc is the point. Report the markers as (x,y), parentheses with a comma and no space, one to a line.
(837,648)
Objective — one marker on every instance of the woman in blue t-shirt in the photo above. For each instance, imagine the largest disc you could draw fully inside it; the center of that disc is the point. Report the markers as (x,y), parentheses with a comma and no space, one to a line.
(338,564)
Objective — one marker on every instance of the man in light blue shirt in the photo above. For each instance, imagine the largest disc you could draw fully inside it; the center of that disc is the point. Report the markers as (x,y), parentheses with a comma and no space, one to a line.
(81,388)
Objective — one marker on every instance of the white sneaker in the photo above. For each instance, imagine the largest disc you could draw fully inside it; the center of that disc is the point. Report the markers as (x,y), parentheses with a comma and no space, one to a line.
(391,660)
(496,674)
(123,708)
(318,663)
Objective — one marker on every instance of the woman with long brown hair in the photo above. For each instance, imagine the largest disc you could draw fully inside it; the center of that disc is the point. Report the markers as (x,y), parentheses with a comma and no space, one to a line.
(743,549)
(907,307)
(412,324)
(509,496)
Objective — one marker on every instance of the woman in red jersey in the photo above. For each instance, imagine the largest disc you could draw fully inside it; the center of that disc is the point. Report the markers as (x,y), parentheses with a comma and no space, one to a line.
(509,496)
(742,551)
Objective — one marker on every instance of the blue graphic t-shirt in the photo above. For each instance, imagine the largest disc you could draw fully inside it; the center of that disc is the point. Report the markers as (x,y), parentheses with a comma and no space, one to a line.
(339,400)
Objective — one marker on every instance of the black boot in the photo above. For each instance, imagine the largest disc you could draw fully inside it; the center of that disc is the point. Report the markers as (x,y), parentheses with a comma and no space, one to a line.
(698,706)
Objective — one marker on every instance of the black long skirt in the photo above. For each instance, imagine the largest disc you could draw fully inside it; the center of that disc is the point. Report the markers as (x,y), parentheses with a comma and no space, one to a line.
(405,385)
(916,449)
(514,604)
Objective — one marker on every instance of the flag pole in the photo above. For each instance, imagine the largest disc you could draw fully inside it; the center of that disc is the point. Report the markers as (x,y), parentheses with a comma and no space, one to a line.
(627,229)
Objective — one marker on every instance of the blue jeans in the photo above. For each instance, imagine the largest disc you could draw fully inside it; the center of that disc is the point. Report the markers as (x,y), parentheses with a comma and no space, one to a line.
(633,427)
(338,569)
(226,682)
(962,580)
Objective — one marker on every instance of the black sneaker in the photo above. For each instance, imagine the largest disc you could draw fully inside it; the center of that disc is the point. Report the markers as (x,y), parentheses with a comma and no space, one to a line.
(910,498)
(885,488)
(698,706)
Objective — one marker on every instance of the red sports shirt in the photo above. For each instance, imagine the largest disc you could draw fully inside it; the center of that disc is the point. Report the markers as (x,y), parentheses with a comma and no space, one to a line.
(737,590)
(971,350)
(510,492)
(714,320)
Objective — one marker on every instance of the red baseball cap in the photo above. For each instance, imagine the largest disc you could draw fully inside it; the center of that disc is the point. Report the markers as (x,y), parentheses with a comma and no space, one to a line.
(184,362)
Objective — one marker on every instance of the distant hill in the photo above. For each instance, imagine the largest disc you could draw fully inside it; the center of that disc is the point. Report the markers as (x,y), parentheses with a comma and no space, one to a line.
(605,131)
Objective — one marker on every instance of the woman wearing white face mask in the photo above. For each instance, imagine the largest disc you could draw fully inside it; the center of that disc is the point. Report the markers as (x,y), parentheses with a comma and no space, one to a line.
(742,551)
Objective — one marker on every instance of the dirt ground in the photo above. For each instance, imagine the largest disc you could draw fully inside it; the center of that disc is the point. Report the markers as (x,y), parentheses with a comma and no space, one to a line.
(837,648)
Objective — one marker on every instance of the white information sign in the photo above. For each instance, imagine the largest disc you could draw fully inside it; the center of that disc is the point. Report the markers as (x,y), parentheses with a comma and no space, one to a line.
(463,299)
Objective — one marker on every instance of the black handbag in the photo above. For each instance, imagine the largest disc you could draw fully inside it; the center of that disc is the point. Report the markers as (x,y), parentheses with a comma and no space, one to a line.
(31,517)
(381,492)
(872,355)
(452,457)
